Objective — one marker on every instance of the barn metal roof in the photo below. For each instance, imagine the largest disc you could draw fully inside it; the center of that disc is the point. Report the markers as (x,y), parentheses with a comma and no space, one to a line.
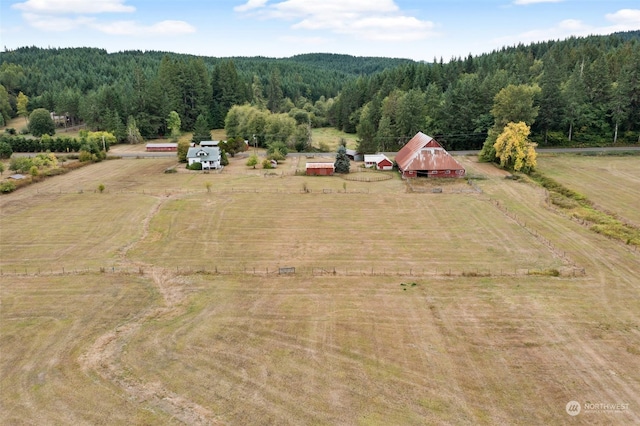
(320,165)
(162,145)
(423,152)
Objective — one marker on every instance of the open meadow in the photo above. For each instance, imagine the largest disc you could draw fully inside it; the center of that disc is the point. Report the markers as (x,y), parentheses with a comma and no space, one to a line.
(612,182)
(159,300)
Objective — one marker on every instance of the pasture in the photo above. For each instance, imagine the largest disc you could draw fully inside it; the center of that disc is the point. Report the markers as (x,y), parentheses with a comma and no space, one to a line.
(613,183)
(429,308)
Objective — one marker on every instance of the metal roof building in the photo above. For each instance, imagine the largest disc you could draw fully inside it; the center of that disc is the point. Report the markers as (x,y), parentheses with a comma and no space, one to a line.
(320,169)
(424,156)
(170,146)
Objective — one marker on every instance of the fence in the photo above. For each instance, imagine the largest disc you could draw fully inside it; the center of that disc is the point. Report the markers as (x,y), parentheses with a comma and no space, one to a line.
(309,271)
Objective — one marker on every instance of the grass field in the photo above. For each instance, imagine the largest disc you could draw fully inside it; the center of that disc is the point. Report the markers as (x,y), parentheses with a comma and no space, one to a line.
(611,182)
(157,337)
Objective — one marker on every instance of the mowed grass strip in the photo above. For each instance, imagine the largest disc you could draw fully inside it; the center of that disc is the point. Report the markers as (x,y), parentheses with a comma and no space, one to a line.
(349,350)
(613,183)
(74,231)
(392,232)
(46,325)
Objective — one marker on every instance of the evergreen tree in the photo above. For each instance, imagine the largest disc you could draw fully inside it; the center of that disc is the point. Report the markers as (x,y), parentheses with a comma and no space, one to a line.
(366,130)
(550,114)
(201,130)
(342,163)
(274,91)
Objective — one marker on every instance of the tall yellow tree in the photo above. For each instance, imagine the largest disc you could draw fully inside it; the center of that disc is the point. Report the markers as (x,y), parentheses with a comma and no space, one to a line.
(21,104)
(513,148)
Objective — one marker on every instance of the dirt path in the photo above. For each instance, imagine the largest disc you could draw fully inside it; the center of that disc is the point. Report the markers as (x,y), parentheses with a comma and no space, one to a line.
(104,356)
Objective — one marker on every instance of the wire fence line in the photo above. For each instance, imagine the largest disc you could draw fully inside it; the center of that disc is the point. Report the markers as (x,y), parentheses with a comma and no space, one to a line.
(244,190)
(307,271)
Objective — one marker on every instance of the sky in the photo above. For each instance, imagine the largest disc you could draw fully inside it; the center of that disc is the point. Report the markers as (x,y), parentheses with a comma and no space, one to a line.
(422,30)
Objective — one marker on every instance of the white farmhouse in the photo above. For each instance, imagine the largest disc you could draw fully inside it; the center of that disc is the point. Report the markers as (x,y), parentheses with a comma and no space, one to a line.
(208,156)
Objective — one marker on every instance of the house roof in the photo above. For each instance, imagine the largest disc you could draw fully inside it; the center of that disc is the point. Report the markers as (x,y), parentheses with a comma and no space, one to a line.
(423,152)
(207,153)
(375,158)
(320,165)
(162,145)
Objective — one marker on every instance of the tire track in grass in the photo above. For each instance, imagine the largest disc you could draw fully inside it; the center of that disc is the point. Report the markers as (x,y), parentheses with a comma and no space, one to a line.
(105,355)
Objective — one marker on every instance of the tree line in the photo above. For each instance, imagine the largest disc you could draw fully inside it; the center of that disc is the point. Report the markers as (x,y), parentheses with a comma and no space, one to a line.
(104,90)
(583,91)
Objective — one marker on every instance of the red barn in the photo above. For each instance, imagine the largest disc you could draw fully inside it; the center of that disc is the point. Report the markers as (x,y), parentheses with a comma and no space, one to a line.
(320,169)
(162,147)
(424,156)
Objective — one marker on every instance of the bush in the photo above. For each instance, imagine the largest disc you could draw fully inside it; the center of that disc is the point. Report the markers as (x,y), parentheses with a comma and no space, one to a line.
(85,156)
(7,186)
(5,150)
(195,166)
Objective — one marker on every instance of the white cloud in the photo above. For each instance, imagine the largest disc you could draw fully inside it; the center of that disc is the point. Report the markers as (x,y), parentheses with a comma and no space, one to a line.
(526,2)
(629,19)
(55,23)
(77,7)
(379,20)
(250,5)
(67,15)
(622,20)
(163,28)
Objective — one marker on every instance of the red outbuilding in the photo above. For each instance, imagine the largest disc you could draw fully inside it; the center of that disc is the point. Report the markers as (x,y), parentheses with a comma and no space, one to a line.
(424,156)
(320,169)
(162,147)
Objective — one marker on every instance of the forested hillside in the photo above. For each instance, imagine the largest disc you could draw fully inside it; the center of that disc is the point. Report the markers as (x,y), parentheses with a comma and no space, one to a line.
(103,89)
(584,91)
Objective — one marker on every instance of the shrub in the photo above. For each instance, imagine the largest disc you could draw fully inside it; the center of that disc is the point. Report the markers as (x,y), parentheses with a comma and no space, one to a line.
(7,186)
(195,166)
(84,156)
(5,150)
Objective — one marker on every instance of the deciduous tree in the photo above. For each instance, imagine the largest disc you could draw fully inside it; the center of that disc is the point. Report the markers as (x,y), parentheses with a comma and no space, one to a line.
(174,124)
(22,101)
(513,148)
(40,123)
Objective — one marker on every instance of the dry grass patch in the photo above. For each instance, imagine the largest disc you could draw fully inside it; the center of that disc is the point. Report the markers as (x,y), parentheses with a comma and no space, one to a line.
(46,325)
(611,182)
(383,232)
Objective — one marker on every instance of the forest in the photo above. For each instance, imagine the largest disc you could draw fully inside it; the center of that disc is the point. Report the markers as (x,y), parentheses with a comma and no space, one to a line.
(582,91)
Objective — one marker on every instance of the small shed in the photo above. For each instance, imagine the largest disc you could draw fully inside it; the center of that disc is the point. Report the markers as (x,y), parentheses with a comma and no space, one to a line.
(162,147)
(379,161)
(320,169)
(209,143)
(354,155)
